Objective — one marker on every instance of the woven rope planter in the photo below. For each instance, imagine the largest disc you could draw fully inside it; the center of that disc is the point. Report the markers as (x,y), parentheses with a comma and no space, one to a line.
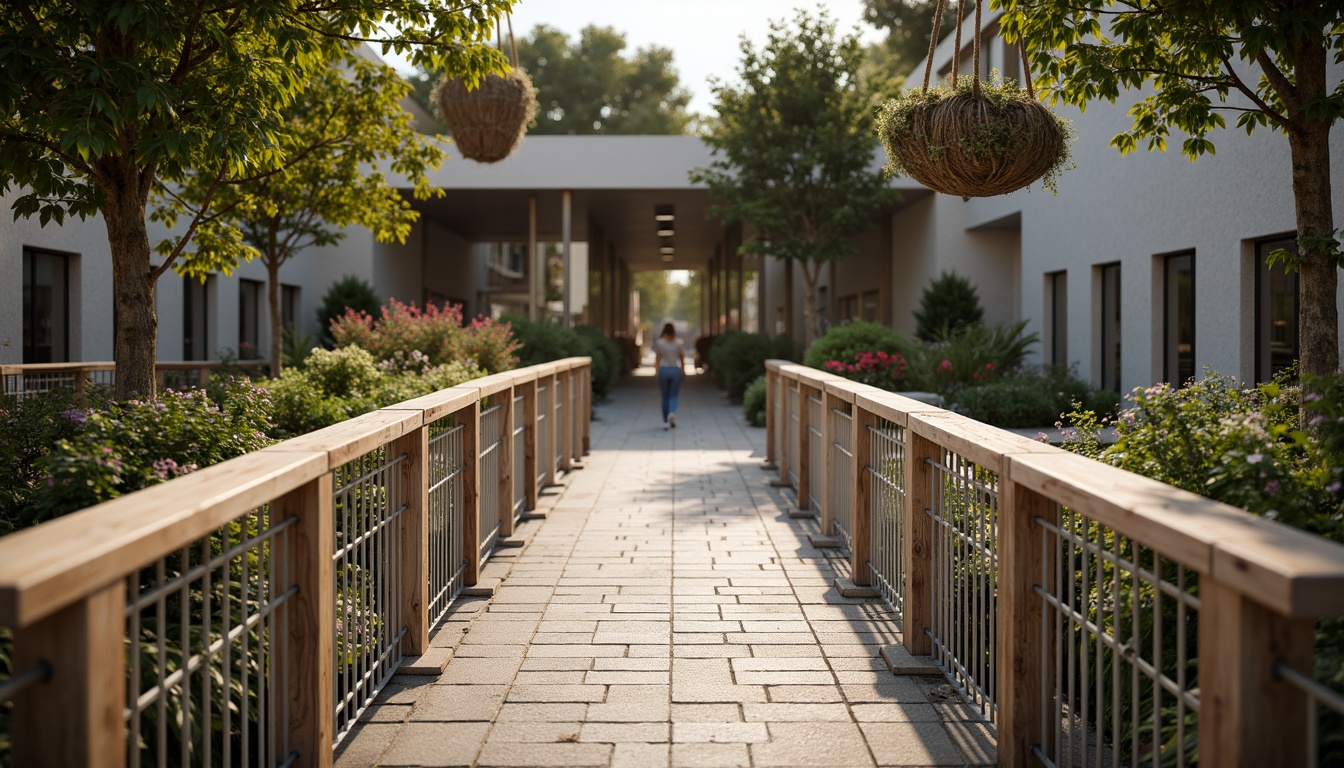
(487,124)
(961,144)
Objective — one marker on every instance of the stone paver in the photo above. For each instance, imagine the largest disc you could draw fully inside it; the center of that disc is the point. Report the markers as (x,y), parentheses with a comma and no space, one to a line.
(667,612)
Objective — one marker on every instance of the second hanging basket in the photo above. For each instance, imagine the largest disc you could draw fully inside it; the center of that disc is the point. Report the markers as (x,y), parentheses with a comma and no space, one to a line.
(970,138)
(488,123)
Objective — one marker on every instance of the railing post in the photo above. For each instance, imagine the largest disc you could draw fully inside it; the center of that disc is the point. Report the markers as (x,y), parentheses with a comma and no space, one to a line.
(860,449)
(203,376)
(1021,625)
(471,493)
(565,443)
(587,413)
(75,719)
(81,380)
(311,619)
(917,596)
(506,468)
(414,587)
(804,454)
(771,400)
(530,443)
(1246,716)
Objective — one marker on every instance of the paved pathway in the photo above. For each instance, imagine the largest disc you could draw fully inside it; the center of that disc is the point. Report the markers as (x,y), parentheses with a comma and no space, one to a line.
(668,612)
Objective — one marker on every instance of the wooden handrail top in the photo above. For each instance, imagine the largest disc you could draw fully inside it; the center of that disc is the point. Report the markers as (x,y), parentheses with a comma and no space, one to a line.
(352,438)
(1286,569)
(889,405)
(490,385)
(49,566)
(812,377)
(973,440)
(774,365)
(524,375)
(437,405)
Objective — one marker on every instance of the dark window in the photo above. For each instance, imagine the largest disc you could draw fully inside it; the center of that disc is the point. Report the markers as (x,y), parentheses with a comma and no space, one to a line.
(1276,311)
(196,319)
(46,307)
(1057,293)
(870,306)
(1178,336)
(289,308)
(1110,326)
(249,319)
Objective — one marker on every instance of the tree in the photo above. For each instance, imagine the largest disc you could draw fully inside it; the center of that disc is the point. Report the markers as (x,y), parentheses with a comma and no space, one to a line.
(794,147)
(1188,64)
(589,86)
(345,124)
(103,103)
(909,23)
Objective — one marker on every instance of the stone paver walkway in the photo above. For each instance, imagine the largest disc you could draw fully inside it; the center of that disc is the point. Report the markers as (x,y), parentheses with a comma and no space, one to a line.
(668,612)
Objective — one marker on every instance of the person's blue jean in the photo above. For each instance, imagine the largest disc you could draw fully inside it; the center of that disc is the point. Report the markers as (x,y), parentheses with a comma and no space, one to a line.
(669,383)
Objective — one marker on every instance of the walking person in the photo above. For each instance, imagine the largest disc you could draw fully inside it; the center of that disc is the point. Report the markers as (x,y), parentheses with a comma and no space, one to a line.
(670,357)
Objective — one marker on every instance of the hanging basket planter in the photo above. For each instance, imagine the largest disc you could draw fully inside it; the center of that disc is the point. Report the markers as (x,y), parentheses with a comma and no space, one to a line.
(973,138)
(488,123)
(974,142)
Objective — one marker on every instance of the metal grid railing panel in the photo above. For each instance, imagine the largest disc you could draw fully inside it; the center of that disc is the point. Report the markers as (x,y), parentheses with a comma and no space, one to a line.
(1119,640)
(492,445)
(369,626)
(1325,714)
(964,563)
(816,467)
(447,561)
(519,459)
(777,408)
(792,421)
(886,477)
(842,458)
(208,653)
(558,424)
(543,433)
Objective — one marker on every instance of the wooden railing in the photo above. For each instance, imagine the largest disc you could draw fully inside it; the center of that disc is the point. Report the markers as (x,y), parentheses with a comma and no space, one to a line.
(249,612)
(1089,615)
(34,378)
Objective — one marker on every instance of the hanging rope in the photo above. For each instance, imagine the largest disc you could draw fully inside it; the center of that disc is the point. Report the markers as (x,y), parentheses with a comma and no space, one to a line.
(1026,69)
(956,45)
(512,45)
(933,44)
(976,49)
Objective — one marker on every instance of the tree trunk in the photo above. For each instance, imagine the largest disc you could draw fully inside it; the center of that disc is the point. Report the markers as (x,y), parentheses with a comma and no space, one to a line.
(811,271)
(1309,141)
(277,326)
(137,324)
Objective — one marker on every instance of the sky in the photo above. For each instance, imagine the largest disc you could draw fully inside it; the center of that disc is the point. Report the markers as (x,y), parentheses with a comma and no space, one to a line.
(702,34)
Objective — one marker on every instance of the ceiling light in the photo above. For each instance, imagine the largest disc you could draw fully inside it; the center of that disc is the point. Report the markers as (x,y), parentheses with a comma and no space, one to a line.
(666,250)
(667,257)
(663,213)
(665,231)
(665,217)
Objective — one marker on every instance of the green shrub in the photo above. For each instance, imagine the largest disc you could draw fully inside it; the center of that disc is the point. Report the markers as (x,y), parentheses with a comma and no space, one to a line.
(123,447)
(754,402)
(972,356)
(949,304)
(1031,398)
(846,342)
(606,359)
(544,341)
(348,293)
(28,429)
(736,359)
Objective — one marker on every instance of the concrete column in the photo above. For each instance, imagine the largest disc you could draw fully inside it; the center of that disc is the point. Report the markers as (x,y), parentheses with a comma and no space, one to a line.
(567,232)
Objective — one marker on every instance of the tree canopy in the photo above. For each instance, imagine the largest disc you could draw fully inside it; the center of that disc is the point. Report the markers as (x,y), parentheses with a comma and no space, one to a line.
(794,148)
(102,103)
(908,24)
(347,128)
(590,85)
(1185,66)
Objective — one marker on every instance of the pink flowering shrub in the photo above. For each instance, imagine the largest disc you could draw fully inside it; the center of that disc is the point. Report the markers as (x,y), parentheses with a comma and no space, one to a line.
(878,369)
(434,332)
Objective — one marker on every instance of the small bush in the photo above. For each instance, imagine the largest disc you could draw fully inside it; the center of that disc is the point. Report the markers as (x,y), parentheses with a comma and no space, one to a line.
(736,359)
(28,429)
(606,359)
(876,369)
(544,341)
(846,342)
(348,293)
(404,329)
(949,304)
(1031,398)
(972,356)
(754,402)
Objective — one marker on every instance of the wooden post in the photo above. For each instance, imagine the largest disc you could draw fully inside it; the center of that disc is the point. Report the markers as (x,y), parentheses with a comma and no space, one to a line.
(471,493)
(413,476)
(311,619)
(861,486)
(506,468)
(804,454)
(1246,716)
(587,412)
(75,718)
(202,376)
(81,380)
(917,595)
(565,427)
(1021,675)
(529,468)
(771,399)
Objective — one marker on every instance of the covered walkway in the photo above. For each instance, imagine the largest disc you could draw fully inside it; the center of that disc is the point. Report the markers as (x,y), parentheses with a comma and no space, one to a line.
(667,611)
